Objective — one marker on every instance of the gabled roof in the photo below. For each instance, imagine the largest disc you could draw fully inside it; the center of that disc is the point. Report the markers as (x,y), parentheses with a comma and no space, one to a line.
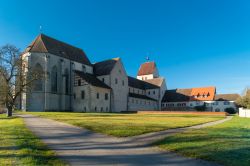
(199,93)
(176,95)
(226,97)
(135,83)
(156,81)
(191,94)
(139,96)
(147,68)
(105,67)
(46,44)
(92,80)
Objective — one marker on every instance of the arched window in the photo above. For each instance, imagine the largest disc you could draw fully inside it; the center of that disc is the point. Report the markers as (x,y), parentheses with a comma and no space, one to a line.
(54,79)
(66,72)
(38,84)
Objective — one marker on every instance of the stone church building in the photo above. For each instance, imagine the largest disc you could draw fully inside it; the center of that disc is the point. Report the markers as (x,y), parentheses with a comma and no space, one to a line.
(73,83)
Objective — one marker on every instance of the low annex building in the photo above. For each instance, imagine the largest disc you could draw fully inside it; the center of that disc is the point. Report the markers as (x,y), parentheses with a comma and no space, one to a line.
(188,99)
(73,83)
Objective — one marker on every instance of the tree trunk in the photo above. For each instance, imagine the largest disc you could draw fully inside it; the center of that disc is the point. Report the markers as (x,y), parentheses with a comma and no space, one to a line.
(9,112)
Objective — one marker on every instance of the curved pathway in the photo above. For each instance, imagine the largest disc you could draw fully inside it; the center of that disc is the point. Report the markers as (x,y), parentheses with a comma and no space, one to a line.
(78,146)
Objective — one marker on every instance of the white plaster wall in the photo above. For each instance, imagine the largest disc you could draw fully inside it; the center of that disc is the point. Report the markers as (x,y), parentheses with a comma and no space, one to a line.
(145,77)
(245,113)
(119,93)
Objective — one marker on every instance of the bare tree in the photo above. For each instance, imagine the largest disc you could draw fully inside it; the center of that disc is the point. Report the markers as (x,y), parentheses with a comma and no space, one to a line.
(17,77)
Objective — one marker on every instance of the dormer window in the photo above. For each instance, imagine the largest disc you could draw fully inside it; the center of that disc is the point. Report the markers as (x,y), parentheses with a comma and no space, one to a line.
(198,95)
(208,94)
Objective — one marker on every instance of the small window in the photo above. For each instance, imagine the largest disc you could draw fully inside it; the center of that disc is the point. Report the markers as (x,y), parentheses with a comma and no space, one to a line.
(97,95)
(83,94)
(103,80)
(83,68)
(95,108)
(74,96)
(116,81)
(106,96)
(149,92)
(226,103)
(154,92)
(101,109)
(79,82)
(123,82)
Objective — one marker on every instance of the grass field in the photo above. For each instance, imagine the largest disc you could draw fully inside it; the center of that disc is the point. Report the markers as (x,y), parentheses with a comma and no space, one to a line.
(227,143)
(18,146)
(123,125)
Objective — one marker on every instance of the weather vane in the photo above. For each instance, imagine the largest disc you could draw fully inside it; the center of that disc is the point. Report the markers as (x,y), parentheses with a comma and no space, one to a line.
(147,57)
(40,28)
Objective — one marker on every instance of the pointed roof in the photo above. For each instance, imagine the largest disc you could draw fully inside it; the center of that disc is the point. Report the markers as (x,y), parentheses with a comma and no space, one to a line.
(46,44)
(147,68)
(105,67)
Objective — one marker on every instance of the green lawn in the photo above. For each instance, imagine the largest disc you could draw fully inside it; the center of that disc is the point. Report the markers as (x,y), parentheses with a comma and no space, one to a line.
(18,146)
(123,125)
(227,143)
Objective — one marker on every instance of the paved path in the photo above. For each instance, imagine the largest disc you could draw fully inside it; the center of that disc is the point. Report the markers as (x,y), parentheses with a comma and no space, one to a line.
(79,146)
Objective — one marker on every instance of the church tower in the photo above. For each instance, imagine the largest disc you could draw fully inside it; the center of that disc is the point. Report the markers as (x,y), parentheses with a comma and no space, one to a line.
(147,71)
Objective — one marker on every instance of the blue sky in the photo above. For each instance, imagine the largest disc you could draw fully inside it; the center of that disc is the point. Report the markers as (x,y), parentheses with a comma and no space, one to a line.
(194,43)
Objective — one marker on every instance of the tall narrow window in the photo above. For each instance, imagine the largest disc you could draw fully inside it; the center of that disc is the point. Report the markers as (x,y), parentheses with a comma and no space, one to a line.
(83,94)
(116,81)
(66,72)
(97,95)
(54,79)
(79,82)
(106,96)
(38,84)
(84,68)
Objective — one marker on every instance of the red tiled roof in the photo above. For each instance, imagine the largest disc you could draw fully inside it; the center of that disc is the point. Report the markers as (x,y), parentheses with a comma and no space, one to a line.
(203,94)
(191,94)
(147,68)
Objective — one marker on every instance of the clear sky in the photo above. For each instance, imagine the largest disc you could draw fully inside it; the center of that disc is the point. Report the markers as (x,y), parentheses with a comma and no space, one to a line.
(194,42)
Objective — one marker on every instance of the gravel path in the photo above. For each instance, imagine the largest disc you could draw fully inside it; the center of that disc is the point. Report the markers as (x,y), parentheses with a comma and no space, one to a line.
(78,146)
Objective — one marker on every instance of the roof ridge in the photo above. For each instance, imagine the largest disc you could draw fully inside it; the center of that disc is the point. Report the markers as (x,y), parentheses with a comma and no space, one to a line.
(60,41)
(43,42)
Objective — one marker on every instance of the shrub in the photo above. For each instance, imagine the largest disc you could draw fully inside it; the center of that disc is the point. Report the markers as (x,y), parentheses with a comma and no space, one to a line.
(200,108)
(230,110)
